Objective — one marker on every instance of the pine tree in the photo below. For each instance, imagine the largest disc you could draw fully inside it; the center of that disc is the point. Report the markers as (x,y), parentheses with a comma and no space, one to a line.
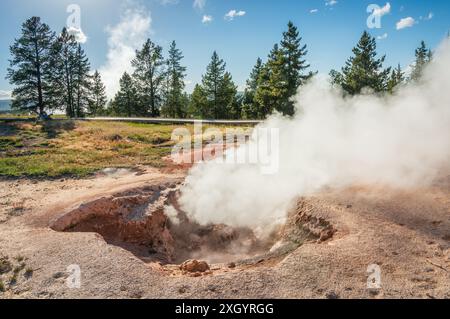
(363,70)
(97,98)
(396,79)
(219,90)
(70,80)
(263,98)
(272,87)
(277,81)
(175,73)
(166,109)
(148,76)
(126,101)
(211,82)
(295,66)
(423,57)
(82,82)
(198,105)
(63,64)
(250,108)
(29,67)
(236,111)
(228,98)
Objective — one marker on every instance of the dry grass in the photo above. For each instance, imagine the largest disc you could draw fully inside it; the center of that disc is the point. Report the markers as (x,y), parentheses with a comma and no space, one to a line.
(78,148)
(12,271)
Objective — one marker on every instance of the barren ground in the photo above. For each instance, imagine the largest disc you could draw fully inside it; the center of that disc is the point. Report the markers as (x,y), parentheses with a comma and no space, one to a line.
(406,233)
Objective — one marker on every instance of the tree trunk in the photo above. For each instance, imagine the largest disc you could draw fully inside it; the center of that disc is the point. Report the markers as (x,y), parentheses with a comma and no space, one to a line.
(39,80)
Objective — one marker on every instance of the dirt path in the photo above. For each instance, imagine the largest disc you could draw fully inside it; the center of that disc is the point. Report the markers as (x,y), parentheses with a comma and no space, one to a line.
(407,234)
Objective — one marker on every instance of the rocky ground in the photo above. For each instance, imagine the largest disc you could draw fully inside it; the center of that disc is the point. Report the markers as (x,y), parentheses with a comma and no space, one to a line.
(405,233)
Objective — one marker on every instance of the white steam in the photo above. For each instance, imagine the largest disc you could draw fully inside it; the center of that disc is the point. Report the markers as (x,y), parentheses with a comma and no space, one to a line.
(123,41)
(401,141)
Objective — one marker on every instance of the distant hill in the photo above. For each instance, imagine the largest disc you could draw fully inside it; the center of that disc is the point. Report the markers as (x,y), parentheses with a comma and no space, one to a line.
(5,105)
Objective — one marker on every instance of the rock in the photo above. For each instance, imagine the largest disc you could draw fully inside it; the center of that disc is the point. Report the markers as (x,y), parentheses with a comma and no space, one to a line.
(332,295)
(183,289)
(326,234)
(212,288)
(231,265)
(195,266)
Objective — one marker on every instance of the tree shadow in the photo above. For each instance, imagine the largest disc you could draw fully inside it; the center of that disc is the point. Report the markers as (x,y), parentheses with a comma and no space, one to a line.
(8,129)
(54,128)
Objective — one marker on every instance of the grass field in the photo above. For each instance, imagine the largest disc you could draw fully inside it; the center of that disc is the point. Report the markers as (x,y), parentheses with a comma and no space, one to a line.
(78,148)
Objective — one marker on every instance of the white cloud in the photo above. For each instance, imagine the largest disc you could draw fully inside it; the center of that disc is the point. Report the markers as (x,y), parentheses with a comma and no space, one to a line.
(313,10)
(207,19)
(405,23)
(331,3)
(80,37)
(123,40)
(383,10)
(233,14)
(5,95)
(382,37)
(199,4)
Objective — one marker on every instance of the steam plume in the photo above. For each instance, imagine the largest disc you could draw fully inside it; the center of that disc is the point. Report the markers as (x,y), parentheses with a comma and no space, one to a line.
(401,140)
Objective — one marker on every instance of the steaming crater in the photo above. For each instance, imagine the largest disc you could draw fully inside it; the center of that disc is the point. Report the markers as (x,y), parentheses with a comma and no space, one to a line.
(149,223)
(399,140)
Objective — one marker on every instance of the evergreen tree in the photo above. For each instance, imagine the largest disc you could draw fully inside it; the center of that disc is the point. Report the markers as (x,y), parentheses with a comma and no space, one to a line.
(63,64)
(148,76)
(97,98)
(198,105)
(228,98)
(165,109)
(126,101)
(175,73)
(272,89)
(363,70)
(278,80)
(70,75)
(294,66)
(423,57)
(82,82)
(250,108)
(263,98)
(219,89)
(185,100)
(211,82)
(236,111)
(397,78)
(30,68)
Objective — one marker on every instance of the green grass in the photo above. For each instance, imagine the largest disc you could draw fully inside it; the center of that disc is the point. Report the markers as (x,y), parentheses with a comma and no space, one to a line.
(79,148)
(25,116)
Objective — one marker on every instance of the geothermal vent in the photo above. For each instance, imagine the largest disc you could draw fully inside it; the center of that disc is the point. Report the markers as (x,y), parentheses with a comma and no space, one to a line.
(149,223)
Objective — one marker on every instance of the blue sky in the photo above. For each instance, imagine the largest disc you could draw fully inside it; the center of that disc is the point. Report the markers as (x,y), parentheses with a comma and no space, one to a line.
(330,28)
